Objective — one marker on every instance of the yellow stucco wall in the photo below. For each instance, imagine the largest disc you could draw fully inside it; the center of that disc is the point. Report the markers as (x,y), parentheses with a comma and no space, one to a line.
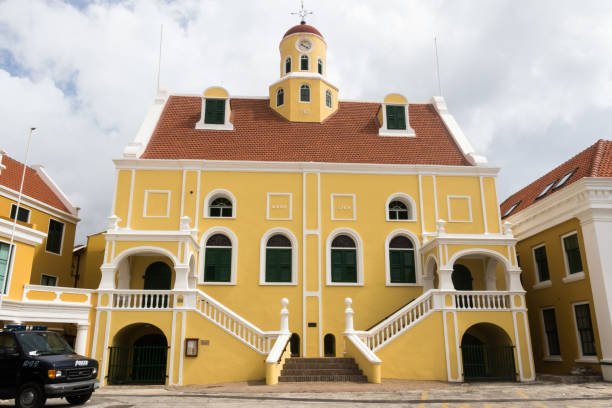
(560,295)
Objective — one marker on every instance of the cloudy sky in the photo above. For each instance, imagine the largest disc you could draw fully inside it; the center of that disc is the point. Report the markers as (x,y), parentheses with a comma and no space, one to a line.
(530,82)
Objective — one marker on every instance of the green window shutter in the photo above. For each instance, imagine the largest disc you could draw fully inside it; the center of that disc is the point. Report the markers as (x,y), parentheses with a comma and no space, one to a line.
(4,263)
(278,265)
(401,264)
(350,266)
(336,265)
(572,250)
(396,117)
(218,266)
(409,266)
(54,237)
(215,111)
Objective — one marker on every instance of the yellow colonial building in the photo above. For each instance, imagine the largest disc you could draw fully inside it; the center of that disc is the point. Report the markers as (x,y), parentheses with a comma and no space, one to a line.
(563,221)
(249,236)
(36,271)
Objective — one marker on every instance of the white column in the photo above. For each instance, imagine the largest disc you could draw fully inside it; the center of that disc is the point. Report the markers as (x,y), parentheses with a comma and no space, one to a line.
(107,280)
(123,278)
(81,339)
(348,316)
(284,327)
(445,281)
(597,236)
(490,278)
(181,277)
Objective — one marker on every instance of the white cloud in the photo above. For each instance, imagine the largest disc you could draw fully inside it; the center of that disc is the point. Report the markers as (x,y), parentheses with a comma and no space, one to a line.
(530,84)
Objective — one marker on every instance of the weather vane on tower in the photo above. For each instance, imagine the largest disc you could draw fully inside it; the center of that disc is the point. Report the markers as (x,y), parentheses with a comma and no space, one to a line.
(302,13)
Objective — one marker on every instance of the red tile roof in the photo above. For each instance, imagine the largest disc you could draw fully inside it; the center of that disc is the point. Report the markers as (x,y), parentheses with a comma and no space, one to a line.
(260,134)
(34,186)
(594,161)
(303,28)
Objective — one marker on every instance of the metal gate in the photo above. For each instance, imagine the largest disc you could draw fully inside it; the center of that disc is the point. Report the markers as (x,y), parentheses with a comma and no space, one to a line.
(137,364)
(487,363)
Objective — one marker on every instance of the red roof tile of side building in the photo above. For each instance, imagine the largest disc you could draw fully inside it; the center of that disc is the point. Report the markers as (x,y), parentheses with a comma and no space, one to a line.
(34,186)
(594,161)
(260,134)
(302,28)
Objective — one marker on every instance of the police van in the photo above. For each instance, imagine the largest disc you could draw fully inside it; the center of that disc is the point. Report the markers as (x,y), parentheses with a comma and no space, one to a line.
(37,364)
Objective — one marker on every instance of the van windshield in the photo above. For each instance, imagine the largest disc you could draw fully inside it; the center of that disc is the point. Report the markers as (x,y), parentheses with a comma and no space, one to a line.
(43,343)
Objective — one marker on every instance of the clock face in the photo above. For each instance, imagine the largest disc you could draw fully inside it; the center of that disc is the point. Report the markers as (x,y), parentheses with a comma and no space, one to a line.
(304,45)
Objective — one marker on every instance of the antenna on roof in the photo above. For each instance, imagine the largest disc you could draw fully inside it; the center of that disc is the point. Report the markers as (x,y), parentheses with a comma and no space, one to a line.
(437,61)
(161,38)
(302,13)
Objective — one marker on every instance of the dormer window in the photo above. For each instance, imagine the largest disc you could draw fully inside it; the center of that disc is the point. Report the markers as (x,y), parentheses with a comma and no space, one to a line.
(304,93)
(287,65)
(215,111)
(320,66)
(280,97)
(396,117)
(304,63)
(393,117)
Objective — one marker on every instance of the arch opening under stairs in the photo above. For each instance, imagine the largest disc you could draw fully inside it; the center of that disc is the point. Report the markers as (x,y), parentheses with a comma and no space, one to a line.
(487,354)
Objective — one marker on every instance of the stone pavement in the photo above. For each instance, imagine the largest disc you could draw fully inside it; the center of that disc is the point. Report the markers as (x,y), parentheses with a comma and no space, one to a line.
(392,393)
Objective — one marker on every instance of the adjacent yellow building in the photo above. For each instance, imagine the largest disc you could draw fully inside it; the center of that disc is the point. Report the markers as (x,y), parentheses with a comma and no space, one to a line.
(563,222)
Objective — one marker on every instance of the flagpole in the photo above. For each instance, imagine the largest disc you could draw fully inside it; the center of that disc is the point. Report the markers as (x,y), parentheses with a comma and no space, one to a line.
(11,251)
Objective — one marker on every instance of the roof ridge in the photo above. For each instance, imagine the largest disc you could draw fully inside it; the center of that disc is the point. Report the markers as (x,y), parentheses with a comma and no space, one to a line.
(599,150)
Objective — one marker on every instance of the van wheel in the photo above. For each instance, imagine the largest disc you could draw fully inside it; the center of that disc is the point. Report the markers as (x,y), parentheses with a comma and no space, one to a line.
(30,395)
(78,399)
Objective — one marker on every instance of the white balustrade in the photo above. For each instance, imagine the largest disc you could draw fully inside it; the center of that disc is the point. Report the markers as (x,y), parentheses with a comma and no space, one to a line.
(57,292)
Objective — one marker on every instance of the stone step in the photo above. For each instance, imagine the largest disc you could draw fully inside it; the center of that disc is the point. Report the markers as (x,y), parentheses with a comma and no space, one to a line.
(320,371)
(320,365)
(323,378)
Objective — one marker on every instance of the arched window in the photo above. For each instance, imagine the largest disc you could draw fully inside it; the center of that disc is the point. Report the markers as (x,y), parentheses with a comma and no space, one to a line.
(320,66)
(280,97)
(220,207)
(304,93)
(304,63)
(218,259)
(343,260)
(401,260)
(287,65)
(278,259)
(328,98)
(398,210)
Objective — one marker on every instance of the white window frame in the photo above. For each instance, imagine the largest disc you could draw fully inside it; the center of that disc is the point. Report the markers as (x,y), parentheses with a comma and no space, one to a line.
(358,253)
(146,201)
(309,93)
(48,276)
(262,257)
(353,196)
(571,277)
(417,258)
(226,125)
(548,357)
(9,272)
(290,195)
(234,240)
(219,193)
(583,358)
(63,235)
(384,131)
(448,206)
(540,284)
(21,207)
(300,60)
(407,200)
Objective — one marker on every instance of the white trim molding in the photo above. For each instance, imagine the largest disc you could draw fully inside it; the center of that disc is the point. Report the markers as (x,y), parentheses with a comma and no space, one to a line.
(234,240)
(418,273)
(458,197)
(354,205)
(219,193)
(268,195)
(23,234)
(146,202)
(135,148)
(407,200)
(358,252)
(294,257)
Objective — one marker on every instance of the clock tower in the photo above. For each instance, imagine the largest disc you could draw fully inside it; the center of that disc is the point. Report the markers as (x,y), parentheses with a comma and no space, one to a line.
(303,93)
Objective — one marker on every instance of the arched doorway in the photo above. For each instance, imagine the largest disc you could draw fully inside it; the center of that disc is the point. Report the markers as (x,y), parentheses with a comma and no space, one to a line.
(138,355)
(462,277)
(158,276)
(294,345)
(329,345)
(487,354)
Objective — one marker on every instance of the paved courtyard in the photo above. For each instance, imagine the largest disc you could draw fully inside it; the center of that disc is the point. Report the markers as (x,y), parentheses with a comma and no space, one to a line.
(390,394)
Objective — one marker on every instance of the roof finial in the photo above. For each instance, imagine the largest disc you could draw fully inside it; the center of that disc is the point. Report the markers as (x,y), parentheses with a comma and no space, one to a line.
(302,13)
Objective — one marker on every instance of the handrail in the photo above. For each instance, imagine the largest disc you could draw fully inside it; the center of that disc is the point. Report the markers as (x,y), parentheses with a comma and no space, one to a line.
(276,353)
